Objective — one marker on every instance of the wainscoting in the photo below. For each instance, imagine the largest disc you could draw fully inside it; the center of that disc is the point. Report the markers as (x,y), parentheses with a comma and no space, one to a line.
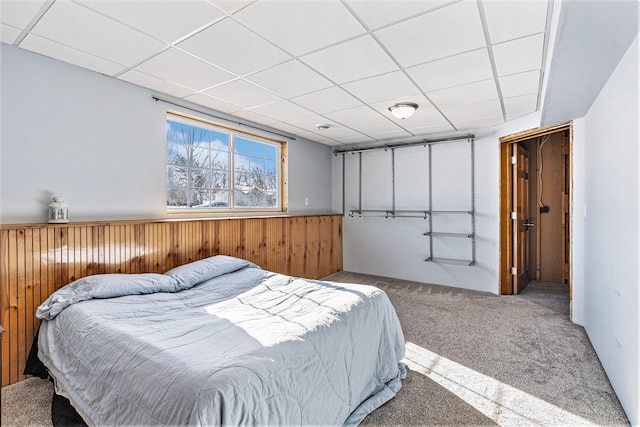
(37,259)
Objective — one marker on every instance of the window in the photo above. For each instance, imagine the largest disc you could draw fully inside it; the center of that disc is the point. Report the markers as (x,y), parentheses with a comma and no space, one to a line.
(211,167)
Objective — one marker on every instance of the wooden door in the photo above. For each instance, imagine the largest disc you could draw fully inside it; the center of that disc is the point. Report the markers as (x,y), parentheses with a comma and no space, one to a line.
(521,222)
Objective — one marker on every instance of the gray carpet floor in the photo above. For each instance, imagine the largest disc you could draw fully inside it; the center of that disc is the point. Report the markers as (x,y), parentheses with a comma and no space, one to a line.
(474,358)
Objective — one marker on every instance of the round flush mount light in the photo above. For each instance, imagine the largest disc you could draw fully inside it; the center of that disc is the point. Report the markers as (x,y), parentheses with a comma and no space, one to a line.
(403,110)
(323,126)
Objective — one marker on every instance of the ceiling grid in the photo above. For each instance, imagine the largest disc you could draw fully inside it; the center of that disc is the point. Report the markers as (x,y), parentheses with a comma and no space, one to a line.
(290,65)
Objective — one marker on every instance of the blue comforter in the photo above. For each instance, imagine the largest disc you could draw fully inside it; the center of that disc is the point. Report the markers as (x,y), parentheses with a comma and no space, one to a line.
(221,342)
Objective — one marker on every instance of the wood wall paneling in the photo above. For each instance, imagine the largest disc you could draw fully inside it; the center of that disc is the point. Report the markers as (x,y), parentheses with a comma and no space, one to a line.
(324,246)
(312,239)
(297,246)
(336,245)
(37,259)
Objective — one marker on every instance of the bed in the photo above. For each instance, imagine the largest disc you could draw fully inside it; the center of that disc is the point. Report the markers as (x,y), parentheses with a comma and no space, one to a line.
(221,342)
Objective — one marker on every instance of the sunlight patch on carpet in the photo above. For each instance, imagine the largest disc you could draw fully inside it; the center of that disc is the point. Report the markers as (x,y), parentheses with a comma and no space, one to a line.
(504,404)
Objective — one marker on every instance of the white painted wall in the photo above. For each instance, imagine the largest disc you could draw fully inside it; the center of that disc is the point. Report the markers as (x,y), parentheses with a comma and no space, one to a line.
(396,247)
(612,229)
(99,142)
(309,175)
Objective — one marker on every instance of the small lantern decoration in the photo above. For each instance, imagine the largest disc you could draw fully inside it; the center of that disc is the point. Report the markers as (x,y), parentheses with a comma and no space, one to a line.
(58,211)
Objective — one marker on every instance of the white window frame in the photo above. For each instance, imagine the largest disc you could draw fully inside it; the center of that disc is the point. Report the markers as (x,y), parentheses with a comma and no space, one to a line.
(280,159)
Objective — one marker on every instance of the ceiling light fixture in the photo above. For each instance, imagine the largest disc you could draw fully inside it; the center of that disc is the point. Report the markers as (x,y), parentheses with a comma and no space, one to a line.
(403,110)
(323,126)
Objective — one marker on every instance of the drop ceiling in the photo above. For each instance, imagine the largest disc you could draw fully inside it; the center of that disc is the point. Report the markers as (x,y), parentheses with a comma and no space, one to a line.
(290,65)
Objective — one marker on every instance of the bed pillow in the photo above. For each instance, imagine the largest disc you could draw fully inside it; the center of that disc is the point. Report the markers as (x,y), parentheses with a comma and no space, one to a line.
(104,286)
(191,274)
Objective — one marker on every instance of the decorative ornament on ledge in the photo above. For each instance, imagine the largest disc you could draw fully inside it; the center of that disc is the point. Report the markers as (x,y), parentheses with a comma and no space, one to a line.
(58,211)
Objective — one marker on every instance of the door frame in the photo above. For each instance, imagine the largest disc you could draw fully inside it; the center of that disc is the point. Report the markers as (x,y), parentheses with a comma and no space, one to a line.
(505,278)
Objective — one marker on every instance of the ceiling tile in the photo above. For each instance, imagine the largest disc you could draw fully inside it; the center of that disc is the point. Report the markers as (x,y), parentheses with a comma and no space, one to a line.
(213,103)
(519,55)
(521,104)
(167,20)
(286,127)
(352,60)
(19,13)
(378,13)
(379,126)
(300,27)
(234,48)
(354,116)
(471,112)
(421,120)
(471,93)
(390,135)
(447,31)
(381,88)
(170,65)
(327,100)
(67,54)
(283,111)
(453,71)
(254,117)
(428,130)
(243,93)
(357,139)
(83,29)
(508,19)
(479,122)
(309,123)
(8,34)
(290,79)
(338,132)
(520,84)
(145,80)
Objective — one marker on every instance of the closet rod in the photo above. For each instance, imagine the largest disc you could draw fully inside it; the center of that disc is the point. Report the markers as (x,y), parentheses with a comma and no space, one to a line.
(222,118)
(405,144)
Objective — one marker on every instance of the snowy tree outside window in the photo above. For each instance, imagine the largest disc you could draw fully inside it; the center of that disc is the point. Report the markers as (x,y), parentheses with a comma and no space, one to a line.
(211,167)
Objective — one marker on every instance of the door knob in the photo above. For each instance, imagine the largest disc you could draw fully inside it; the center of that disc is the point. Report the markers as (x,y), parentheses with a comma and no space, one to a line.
(529,224)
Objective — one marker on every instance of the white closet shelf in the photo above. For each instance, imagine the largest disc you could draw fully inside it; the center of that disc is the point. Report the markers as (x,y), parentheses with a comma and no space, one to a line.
(442,234)
(450,261)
